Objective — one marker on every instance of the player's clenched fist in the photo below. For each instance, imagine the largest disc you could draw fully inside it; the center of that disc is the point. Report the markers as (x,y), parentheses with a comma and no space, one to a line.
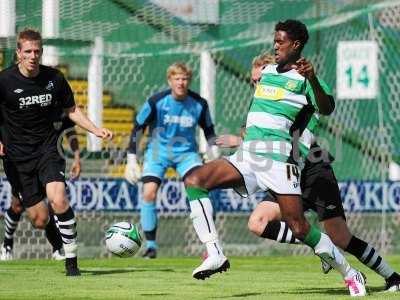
(304,67)
(104,133)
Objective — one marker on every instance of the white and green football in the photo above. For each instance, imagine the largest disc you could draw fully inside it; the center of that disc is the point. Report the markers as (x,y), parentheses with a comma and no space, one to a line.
(123,239)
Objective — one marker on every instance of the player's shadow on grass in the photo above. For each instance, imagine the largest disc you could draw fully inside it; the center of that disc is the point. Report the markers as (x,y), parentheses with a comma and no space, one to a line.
(330,291)
(243,295)
(326,291)
(121,271)
(155,294)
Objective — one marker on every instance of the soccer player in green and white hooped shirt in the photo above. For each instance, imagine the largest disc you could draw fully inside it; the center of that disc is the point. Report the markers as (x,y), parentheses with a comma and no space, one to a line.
(266,160)
(320,193)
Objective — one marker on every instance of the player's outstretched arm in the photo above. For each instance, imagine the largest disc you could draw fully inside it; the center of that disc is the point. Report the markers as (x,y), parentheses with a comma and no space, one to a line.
(75,170)
(325,102)
(228,141)
(132,170)
(2,152)
(144,118)
(205,122)
(80,119)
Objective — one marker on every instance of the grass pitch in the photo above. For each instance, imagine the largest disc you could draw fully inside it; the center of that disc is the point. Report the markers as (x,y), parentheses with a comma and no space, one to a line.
(170,278)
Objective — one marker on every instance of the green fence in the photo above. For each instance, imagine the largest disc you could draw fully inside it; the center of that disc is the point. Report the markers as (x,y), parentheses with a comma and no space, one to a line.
(142,39)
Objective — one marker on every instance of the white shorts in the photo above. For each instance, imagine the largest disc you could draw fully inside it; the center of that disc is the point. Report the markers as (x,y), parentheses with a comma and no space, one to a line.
(261,173)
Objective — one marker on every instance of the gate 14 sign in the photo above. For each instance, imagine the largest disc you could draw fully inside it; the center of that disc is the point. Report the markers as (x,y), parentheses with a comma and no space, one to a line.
(357,70)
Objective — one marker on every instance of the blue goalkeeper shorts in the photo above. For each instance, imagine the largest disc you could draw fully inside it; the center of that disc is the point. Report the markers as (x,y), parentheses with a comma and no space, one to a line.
(156,165)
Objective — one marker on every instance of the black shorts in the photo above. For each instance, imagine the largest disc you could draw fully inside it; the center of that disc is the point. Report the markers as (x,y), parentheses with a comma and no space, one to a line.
(320,191)
(15,193)
(29,178)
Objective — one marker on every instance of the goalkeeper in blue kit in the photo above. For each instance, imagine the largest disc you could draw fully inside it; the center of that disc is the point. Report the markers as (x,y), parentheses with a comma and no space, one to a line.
(172,117)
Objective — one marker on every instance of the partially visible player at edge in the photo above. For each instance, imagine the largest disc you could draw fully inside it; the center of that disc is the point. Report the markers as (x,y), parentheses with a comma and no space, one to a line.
(13,214)
(172,117)
(266,160)
(320,192)
(30,95)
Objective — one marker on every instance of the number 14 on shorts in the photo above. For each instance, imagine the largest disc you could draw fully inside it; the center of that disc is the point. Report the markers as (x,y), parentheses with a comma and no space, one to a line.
(293,171)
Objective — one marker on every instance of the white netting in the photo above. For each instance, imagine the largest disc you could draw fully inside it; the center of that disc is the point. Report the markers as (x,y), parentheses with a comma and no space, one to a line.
(176,235)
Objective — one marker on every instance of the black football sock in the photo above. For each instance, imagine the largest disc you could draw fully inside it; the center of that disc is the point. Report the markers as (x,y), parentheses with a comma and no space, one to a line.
(279,231)
(67,225)
(11,220)
(53,234)
(369,256)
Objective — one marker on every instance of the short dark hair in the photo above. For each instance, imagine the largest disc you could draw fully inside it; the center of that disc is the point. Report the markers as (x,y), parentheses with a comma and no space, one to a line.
(28,34)
(295,29)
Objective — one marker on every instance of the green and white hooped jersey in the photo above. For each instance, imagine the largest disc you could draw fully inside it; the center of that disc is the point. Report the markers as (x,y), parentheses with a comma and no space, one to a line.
(277,101)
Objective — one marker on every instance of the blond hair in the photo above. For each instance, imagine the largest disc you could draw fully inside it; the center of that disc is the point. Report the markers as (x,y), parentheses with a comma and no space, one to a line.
(179,68)
(263,59)
(28,34)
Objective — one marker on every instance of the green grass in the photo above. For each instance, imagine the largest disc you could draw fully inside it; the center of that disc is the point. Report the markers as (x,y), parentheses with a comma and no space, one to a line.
(170,278)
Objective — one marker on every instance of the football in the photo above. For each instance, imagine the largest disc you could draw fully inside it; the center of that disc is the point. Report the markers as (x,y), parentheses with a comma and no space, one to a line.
(123,239)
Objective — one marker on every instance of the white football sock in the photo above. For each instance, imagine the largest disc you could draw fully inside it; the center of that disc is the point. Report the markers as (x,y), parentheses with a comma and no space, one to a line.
(329,253)
(203,223)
